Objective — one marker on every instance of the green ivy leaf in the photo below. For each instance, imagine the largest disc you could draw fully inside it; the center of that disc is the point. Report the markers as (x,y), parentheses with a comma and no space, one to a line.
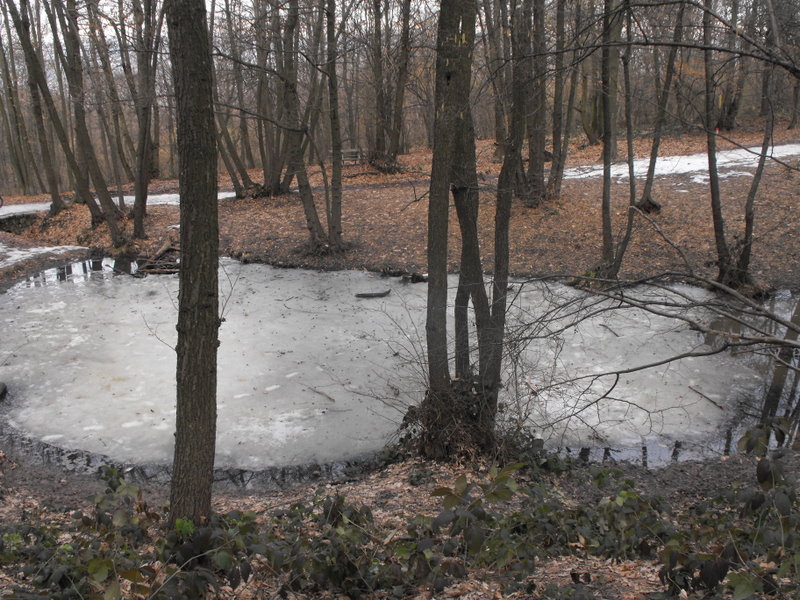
(223,560)
(98,569)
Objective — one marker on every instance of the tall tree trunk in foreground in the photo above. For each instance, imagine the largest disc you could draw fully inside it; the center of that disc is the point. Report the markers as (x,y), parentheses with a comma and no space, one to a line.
(198,318)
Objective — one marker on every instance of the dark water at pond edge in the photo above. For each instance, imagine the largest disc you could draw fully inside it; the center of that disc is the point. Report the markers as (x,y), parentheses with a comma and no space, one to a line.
(778,398)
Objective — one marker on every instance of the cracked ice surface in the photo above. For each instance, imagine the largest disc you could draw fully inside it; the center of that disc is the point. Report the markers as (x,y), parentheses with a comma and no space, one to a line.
(309,373)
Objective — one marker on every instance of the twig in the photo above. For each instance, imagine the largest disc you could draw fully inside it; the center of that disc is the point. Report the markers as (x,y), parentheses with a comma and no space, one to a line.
(701,394)
(666,239)
(321,393)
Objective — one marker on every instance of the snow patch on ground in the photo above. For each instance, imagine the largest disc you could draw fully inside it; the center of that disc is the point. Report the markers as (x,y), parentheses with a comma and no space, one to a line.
(154,200)
(727,160)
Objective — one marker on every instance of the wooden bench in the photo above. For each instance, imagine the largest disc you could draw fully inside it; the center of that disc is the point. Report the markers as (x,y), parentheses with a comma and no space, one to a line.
(353,155)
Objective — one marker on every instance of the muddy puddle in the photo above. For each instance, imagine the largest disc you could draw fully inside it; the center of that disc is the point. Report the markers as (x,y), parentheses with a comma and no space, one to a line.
(314,380)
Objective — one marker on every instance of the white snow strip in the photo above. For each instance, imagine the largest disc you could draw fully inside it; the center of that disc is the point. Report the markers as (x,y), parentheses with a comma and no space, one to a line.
(154,200)
(681,165)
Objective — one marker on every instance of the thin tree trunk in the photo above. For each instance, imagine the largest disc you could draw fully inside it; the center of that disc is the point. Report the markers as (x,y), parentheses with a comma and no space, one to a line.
(297,165)
(378,154)
(146,57)
(402,78)
(56,204)
(491,369)
(560,156)
(124,143)
(609,142)
(558,96)
(723,252)
(22,26)
(648,203)
(619,252)
(68,20)
(18,142)
(335,211)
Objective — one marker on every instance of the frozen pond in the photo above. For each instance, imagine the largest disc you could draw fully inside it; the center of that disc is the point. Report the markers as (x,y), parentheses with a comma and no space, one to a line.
(308,373)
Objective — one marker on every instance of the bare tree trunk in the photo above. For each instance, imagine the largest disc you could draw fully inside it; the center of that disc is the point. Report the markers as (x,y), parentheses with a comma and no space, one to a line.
(18,141)
(537,115)
(335,210)
(723,252)
(795,105)
(611,271)
(149,21)
(67,17)
(381,123)
(497,65)
(492,363)
(560,154)
(452,97)
(297,166)
(238,82)
(648,203)
(609,142)
(198,317)
(56,204)
(402,78)
(124,143)
(558,98)
(35,70)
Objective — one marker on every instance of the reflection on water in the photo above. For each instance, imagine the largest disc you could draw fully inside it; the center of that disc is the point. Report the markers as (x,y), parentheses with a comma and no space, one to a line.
(78,273)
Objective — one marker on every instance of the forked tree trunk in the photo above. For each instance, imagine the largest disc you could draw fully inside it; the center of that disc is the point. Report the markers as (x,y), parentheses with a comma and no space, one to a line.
(297,165)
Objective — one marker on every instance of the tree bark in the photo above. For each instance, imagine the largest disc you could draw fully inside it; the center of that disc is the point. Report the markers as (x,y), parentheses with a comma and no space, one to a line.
(198,318)
(723,252)
(67,16)
(647,202)
(22,26)
(335,209)
(402,78)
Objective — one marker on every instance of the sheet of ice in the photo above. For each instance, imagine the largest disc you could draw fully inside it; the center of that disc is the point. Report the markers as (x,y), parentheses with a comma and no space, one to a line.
(309,373)
(10,256)
(692,163)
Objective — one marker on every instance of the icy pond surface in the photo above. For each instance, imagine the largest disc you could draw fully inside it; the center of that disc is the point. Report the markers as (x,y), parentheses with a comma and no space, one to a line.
(308,373)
